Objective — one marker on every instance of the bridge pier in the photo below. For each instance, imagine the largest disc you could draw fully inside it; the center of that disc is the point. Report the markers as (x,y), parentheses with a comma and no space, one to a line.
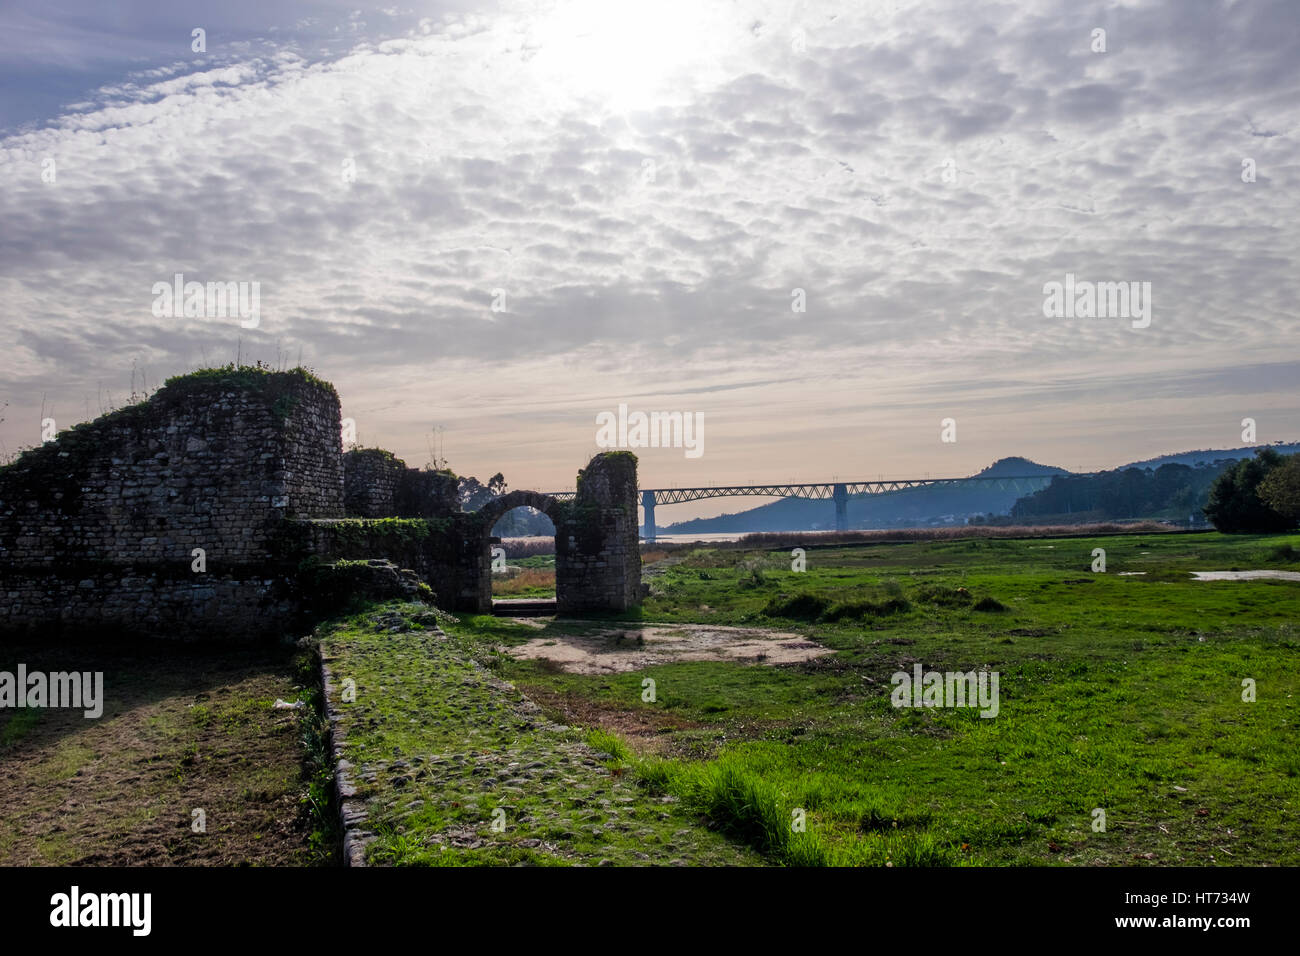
(648,503)
(841,495)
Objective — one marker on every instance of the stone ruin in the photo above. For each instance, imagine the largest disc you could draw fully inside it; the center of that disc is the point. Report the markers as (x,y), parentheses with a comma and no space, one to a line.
(224,506)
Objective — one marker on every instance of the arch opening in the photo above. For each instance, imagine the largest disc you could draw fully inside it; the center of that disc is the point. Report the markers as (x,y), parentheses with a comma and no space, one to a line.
(531,578)
(523,552)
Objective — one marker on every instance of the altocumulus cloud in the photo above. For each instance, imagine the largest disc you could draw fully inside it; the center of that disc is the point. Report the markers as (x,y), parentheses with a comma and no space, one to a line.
(648,192)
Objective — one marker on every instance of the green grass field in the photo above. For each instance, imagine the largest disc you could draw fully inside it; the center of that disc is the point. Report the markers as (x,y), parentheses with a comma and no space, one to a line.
(1118,693)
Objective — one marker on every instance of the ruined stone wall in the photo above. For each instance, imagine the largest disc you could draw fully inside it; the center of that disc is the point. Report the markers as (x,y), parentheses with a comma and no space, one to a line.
(379,485)
(443,552)
(311,449)
(598,559)
(370,480)
(99,526)
(148,601)
(99,529)
(597,553)
(459,578)
(427,494)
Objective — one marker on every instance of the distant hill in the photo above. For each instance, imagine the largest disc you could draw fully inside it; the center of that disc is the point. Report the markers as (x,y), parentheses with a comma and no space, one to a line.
(1210,455)
(1018,466)
(896,509)
(924,506)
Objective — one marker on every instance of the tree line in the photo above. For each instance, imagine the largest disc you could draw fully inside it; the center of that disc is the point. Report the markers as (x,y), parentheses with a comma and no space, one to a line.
(1260,494)
(1170,491)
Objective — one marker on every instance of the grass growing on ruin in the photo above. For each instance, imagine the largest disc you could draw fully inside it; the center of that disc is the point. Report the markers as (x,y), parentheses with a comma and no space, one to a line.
(1119,693)
(261,376)
(83,439)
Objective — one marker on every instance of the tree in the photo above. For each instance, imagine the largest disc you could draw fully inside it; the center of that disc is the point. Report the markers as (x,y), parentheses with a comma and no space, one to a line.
(1234,503)
(474,494)
(1280,489)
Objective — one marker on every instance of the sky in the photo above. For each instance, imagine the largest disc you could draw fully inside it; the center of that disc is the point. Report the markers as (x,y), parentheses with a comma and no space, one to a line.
(820,228)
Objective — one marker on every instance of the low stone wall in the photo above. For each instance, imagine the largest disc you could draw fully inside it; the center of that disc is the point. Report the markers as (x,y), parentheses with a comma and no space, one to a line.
(443,552)
(147,601)
(352,812)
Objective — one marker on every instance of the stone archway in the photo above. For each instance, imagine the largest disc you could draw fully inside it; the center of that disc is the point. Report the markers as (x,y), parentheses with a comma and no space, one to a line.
(597,557)
(497,507)
(491,513)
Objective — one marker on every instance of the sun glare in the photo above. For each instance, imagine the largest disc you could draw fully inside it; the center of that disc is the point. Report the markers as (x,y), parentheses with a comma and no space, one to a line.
(633,55)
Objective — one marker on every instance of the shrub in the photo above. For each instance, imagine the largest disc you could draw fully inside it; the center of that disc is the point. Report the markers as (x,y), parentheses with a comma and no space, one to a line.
(1284,554)
(943,596)
(860,609)
(800,607)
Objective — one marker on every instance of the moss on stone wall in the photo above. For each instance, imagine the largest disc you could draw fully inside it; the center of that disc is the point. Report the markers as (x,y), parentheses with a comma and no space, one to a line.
(358,530)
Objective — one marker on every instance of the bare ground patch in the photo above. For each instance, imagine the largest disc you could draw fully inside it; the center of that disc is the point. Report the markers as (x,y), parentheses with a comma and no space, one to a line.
(183,729)
(623,648)
(643,729)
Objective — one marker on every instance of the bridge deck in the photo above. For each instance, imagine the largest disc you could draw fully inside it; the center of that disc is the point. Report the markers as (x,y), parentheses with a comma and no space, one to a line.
(830,490)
